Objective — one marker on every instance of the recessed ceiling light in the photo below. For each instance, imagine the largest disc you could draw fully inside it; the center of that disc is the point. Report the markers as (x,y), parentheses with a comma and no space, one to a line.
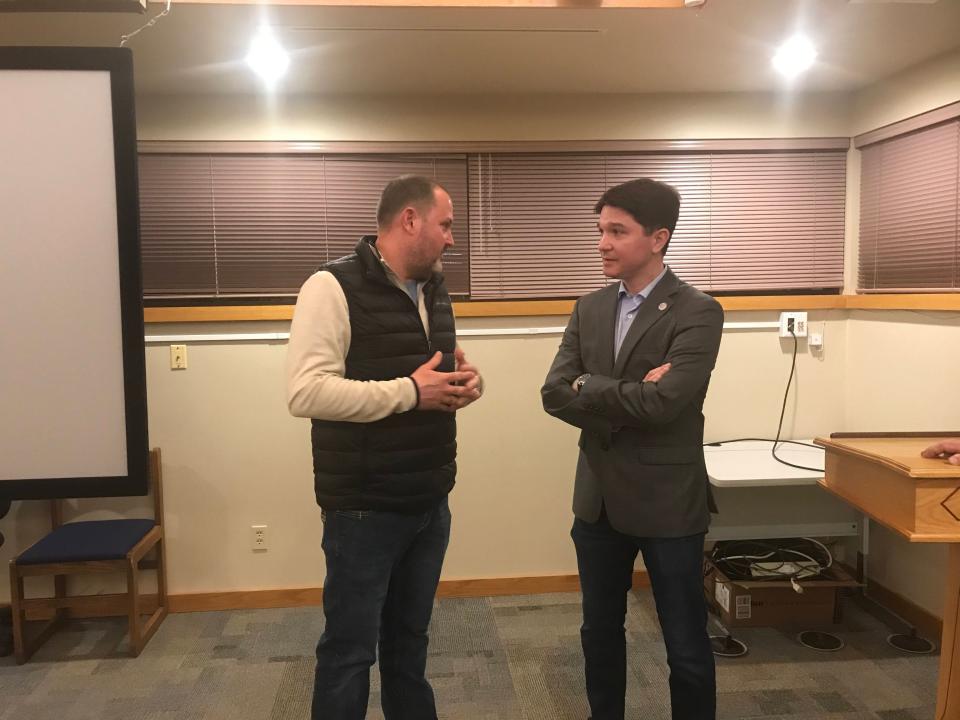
(266,56)
(794,56)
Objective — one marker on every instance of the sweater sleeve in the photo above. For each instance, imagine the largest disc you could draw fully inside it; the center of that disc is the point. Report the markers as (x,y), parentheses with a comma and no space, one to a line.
(316,362)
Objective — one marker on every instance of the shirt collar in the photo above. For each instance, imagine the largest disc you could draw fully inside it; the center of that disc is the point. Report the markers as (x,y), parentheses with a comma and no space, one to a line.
(376,252)
(645,293)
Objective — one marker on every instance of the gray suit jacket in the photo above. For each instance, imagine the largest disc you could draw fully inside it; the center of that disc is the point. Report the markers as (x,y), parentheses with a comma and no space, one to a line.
(641,445)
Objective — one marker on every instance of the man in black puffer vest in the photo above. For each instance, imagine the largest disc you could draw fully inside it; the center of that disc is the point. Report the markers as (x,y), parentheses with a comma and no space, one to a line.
(373,361)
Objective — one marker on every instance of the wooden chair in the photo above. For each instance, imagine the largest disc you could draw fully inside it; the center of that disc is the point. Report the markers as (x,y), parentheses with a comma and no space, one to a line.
(98,546)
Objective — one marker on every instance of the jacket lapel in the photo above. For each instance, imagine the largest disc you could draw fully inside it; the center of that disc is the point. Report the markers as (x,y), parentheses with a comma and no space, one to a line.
(606,323)
(651,310)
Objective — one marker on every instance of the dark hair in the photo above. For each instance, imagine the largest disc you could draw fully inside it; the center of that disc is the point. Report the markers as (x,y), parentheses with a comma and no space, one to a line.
(651,203)
(402,192)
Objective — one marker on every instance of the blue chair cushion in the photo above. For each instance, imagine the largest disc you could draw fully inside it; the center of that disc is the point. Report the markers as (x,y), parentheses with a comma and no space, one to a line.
(88,540)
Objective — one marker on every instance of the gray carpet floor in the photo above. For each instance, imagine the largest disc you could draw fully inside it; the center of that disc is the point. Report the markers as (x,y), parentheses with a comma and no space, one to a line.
(502,658)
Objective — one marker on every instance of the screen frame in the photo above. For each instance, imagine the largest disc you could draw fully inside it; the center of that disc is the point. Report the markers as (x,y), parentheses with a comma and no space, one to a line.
(118,62)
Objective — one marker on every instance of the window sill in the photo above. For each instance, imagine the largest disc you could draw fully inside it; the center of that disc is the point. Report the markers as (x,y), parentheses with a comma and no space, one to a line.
(237,313)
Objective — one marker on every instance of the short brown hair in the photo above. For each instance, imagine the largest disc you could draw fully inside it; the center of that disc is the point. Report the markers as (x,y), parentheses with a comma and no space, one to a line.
(651,203)
(402,192)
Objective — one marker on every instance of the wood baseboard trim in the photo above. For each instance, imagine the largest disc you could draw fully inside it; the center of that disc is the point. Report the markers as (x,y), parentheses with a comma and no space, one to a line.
(301,597)
(928,625)
(246,600)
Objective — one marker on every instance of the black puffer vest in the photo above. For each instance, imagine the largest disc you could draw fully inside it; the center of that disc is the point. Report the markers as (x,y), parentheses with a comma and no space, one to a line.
(405,462)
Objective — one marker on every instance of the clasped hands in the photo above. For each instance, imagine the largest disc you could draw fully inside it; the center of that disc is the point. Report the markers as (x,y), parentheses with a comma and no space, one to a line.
(447,391)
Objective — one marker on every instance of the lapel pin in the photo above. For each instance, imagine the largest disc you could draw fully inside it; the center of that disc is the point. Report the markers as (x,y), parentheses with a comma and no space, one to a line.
(662,307)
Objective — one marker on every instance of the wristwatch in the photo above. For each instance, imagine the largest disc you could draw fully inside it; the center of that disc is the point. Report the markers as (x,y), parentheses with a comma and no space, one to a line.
(580,381)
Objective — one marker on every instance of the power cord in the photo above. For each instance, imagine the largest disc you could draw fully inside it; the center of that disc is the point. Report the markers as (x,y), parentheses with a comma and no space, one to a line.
(718,443)
(784,559)
(777,441)
(783,410)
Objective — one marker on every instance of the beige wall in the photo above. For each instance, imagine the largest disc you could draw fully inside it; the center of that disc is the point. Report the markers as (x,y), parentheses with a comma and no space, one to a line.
(545,117)
(923,87)
(233,457)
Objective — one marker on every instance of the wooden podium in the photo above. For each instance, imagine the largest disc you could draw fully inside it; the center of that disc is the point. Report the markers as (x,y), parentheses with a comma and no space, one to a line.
(884,476)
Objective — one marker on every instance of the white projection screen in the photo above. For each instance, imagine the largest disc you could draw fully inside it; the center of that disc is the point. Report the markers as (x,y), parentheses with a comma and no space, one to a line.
(72,378)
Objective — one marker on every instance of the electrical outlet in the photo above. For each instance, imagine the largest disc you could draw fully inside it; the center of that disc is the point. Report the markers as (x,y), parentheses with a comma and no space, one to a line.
(178,357)
(815,340)
(258,538)
(795,322)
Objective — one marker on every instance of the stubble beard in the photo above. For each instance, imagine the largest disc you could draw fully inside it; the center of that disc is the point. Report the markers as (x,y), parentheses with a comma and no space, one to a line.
(424,268)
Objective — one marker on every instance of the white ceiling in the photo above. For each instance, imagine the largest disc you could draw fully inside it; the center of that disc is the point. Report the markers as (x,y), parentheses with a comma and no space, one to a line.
(724,46)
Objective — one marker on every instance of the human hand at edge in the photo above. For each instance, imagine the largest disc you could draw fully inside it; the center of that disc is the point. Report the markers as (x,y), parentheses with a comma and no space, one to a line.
(948,449)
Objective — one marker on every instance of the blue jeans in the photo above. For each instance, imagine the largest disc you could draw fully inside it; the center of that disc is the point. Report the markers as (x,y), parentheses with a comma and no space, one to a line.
(605,560)
(382,574)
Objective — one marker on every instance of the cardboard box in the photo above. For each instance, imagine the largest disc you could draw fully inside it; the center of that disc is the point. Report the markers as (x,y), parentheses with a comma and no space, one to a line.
(775,603)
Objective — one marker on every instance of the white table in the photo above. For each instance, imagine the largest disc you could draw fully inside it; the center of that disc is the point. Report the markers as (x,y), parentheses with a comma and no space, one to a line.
(749,464)
(742,472)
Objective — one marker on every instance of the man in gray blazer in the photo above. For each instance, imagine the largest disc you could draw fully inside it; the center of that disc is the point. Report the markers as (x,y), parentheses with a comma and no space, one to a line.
(632,374)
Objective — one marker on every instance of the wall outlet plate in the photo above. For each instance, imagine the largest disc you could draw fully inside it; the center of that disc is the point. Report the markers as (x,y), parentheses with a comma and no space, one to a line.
(258,538)
(178,357)
(793,321)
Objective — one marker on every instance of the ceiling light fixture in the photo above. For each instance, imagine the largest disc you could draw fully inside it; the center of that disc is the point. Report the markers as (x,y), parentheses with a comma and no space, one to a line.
(794,56)
(266,56)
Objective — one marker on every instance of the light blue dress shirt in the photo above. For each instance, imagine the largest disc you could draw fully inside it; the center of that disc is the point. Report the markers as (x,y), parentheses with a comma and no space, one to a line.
(627,307)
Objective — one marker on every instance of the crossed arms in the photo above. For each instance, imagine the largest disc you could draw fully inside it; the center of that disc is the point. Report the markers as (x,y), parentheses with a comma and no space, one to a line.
(606,403)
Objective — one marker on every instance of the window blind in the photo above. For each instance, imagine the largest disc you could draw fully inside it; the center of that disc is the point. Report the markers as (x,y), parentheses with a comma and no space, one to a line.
(909,206)
(221,225)
(749,221)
